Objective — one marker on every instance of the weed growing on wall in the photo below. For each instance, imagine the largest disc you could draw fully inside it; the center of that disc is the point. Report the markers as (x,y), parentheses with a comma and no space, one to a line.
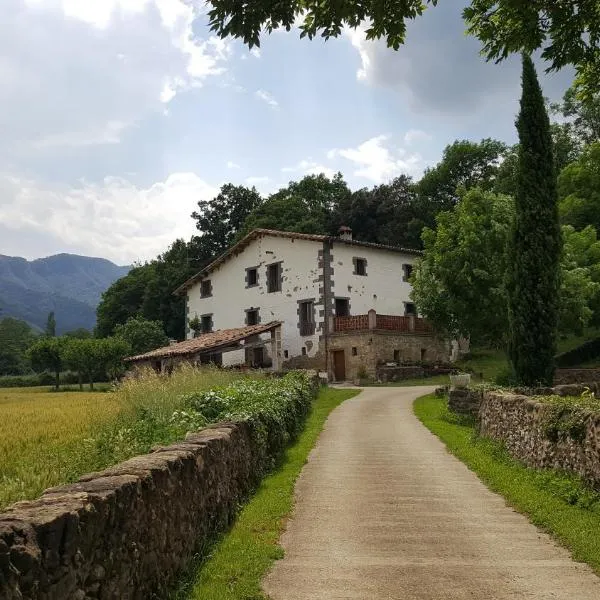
(566,417)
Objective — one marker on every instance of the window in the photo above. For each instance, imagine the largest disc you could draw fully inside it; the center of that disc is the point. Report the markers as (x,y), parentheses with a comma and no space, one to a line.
(274,278)
(252,317)
(407,269)
(397,356)
(205,288)
(354,351)
(251,277)
(423,354)
(410,309)
(207,323)
(342,307)
(303,350)
(360,266)
(286,354)
(306,309)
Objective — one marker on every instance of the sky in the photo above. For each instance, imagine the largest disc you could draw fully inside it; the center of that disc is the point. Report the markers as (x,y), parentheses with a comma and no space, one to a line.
(117,116)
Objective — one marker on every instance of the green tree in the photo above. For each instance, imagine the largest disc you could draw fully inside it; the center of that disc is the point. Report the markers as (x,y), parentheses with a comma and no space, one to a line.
(123,299)
(579,190)
(220,219)
(46,354)
(459,283)
(390,213)
(15,338)
(142,335)
(566,32)
(581,119)
(533,277)
(460,286)
(112,352)
(306,206)
(81,333)
(83,357)
(464,164)
(51,325)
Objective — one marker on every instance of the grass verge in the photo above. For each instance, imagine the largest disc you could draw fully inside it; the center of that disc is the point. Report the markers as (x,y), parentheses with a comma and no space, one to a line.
(235,567)
(556,502)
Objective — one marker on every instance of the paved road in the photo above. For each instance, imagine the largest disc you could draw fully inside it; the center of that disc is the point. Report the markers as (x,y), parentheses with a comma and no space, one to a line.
(384,512)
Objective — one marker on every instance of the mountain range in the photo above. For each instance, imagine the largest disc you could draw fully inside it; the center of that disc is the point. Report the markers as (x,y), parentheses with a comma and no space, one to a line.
(68,284)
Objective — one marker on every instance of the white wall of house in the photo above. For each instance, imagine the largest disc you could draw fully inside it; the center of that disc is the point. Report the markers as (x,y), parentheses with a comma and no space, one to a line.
(231,296)
(381,289)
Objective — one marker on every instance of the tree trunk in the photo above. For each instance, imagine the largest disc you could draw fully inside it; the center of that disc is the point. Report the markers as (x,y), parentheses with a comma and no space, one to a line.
(57,381)
(80,377)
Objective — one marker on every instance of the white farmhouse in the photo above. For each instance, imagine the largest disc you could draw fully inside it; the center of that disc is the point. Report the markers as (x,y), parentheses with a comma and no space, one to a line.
(343,305)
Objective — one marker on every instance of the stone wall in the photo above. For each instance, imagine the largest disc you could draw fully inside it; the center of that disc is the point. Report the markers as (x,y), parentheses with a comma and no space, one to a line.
(465,402)
(400,373)
(564,376)
(127,532)
(520,422)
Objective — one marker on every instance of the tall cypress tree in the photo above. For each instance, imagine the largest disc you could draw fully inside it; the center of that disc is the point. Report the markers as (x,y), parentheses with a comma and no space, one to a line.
(533,279)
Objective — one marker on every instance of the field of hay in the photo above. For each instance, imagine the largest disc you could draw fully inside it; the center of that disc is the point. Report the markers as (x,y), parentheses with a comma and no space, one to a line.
(50,438)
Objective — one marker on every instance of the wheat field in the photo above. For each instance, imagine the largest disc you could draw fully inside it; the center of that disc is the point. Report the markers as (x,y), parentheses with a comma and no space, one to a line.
(50,438)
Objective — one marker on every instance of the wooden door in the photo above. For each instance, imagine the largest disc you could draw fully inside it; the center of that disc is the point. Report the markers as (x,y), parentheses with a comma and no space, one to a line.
(339,365)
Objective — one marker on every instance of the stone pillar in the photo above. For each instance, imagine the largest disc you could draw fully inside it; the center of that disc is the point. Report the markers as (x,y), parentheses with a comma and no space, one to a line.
(411,322)
(372,319)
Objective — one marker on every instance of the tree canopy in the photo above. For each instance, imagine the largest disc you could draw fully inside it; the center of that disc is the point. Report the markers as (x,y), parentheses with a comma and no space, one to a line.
(142,335)
(567,33)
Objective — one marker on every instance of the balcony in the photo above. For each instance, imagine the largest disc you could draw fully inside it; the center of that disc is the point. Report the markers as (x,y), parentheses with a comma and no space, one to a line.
(371,321)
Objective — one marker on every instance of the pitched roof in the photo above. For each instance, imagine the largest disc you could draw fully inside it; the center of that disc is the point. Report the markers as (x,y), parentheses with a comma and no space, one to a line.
(313,237)
(206,342)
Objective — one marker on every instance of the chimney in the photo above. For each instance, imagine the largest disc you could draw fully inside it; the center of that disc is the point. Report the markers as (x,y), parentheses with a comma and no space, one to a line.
(345,233)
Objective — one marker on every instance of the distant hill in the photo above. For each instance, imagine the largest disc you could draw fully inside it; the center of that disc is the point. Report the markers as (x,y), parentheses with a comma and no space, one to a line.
(68,284)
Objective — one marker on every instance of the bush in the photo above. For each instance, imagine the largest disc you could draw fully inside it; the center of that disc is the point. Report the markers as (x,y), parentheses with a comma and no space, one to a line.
(587,351)
(38,379)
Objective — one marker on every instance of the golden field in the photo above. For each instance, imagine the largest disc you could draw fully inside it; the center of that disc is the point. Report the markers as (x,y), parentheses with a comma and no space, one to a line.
(50,438)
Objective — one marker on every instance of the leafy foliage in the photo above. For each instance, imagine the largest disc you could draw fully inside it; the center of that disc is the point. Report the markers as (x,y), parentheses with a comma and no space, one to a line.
(568,33)
(15,338)
(535,248)
(579,189)
(51,325)
(142,335)
(47,355)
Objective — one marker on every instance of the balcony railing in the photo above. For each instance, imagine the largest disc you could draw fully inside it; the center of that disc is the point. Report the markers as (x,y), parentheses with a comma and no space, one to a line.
(307,328)
(370,321)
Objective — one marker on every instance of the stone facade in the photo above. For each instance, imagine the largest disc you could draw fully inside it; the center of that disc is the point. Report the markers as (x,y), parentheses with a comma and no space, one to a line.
(127,532)
(366,350)
(387,374)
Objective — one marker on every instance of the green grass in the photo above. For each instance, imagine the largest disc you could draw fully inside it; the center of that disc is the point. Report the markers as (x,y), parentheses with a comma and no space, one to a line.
(556,502)
(235,567)
(437,380)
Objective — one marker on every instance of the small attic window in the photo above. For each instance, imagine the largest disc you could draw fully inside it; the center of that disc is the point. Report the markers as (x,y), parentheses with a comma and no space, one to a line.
(360,266)
(205,288)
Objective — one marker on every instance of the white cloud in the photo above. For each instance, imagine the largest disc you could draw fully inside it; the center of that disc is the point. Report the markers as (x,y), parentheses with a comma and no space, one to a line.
(255,52)
(416,135)
(115,218)
(232,165)
(266,97)
(70,70)
(377,162)
(310,167)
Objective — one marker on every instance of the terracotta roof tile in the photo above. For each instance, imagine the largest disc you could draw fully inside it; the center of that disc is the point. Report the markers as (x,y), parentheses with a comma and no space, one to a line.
(207,341)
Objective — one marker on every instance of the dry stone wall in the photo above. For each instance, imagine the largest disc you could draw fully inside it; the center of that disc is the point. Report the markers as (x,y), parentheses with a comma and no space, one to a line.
(126,532)
(521,423)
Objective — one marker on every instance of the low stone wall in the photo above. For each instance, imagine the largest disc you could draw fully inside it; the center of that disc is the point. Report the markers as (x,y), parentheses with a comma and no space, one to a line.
(565,376)
(386,374)
(520,422)
(127,532)
(465,402)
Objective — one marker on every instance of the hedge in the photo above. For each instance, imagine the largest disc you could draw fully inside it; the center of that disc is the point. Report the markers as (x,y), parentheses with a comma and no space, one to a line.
(587,351)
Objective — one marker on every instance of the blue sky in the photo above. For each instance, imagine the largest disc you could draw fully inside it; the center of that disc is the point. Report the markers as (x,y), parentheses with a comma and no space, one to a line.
(117,116)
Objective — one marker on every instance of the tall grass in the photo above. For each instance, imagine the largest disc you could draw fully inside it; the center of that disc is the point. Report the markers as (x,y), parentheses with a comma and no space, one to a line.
(47,439)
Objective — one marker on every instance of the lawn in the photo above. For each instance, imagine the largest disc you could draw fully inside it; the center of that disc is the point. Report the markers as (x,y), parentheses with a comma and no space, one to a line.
(556,502)
(49,438)
(236,566)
